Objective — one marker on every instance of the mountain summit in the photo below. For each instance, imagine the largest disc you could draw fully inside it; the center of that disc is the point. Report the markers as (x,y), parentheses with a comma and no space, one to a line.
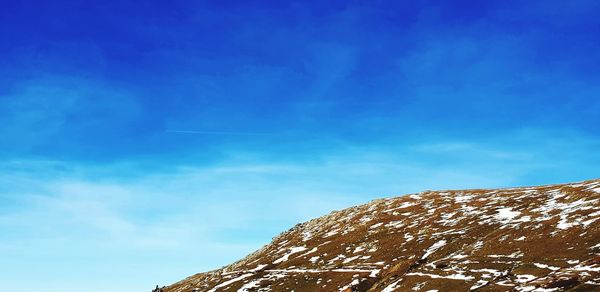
(543,238)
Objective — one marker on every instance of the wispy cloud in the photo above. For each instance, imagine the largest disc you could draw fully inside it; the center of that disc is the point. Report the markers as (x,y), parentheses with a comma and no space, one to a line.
(53,112)
(198,217)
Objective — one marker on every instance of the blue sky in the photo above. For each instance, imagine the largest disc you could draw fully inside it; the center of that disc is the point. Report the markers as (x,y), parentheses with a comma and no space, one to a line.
(145,141)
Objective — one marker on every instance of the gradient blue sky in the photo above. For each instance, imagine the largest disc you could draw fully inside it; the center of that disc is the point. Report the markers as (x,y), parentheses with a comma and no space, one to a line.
(144,141)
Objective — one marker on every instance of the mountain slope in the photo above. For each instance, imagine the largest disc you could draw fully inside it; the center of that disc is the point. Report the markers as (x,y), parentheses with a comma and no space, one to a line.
(522,239)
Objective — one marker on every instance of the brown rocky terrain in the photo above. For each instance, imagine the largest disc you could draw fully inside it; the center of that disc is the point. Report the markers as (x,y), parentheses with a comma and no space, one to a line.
(519,239)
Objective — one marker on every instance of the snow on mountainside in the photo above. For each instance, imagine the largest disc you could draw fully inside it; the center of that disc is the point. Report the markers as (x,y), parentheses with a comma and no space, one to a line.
(520,239)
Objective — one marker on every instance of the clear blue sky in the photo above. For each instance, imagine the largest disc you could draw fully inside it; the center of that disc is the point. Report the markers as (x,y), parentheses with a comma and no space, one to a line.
(145,141)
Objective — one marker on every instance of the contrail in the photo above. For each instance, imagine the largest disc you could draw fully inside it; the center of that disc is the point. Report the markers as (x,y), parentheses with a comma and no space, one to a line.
(217,133)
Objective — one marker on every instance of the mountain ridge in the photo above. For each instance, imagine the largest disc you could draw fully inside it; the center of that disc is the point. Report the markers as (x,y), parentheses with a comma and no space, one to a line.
(534,238)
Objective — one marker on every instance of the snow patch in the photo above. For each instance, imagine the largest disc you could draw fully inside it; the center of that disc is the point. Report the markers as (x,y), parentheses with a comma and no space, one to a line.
(544,266)
(433,248)
(507,214)
(292,251)
(451,277)
(229,282)
(249,286)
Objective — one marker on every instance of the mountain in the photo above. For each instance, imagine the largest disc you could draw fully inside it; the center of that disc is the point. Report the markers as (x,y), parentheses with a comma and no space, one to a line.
(543,238)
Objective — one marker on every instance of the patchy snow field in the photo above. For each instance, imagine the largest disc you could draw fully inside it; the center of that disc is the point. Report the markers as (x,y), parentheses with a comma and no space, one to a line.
(522,239)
